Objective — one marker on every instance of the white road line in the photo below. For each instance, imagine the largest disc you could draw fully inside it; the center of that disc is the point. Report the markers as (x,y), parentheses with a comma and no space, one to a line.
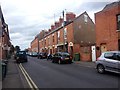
(25,77)
(29,78)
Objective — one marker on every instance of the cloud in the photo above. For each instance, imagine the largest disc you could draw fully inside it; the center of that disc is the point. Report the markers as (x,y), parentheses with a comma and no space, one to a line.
(26,18)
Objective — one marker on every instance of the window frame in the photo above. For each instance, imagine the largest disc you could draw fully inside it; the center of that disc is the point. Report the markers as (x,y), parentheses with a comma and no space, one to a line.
(65,33)
(58,35)
(85,18)
(118,21)
(53,38)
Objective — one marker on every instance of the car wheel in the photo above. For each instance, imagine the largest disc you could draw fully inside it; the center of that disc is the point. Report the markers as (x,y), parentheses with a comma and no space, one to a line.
(52,61)
(26,61)
(38,57)
(100,69)
(70,62)
(59,61)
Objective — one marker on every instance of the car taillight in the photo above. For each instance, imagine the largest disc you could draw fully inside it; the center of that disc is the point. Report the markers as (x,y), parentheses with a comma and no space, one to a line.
(70,57)
(98,59)
(61,58)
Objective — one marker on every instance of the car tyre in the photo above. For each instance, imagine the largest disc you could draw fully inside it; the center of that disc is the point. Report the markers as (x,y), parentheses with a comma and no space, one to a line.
(70,62)
(100,69)
(53,61)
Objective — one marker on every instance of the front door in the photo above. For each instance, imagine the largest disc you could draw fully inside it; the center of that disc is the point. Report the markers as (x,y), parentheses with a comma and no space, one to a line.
(119,44)
(93,53)
(103,48)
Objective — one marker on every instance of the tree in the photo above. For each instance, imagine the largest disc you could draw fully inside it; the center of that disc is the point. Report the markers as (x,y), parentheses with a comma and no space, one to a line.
(26,50)
(17,48)
(12,49)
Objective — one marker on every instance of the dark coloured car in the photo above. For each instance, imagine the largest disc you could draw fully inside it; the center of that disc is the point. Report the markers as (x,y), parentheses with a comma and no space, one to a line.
(109,61)
(42,55)
(49,57)
(61,57)
(21,57)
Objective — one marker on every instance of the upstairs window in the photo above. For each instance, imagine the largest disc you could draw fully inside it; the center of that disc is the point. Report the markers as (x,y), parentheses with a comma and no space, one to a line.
(53,39)
(118,22)
(85,18)
(48,41)
(45,41)
(58,35)
(65,33)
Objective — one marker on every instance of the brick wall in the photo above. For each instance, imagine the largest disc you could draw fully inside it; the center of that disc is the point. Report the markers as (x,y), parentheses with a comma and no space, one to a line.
(34,45)
(106,27)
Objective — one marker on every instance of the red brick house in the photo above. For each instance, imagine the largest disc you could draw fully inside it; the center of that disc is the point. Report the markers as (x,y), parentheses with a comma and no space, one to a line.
(108,28)
(78,36)
(34,45)
(4,37)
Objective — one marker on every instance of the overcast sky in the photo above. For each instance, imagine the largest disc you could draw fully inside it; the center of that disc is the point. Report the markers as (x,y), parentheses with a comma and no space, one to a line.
(26,18)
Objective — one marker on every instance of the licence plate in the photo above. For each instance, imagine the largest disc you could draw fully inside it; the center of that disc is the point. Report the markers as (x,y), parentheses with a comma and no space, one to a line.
(66,58)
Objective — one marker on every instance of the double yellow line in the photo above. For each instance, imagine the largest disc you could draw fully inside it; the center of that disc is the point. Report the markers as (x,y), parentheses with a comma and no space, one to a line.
(27,77)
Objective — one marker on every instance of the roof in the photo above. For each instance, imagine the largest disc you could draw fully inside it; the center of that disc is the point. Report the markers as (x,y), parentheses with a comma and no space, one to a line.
(83,14)
(108,6)
(1,15)
(67,23)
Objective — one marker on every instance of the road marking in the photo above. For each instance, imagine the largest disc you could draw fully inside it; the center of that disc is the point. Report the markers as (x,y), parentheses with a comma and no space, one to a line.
(27,77)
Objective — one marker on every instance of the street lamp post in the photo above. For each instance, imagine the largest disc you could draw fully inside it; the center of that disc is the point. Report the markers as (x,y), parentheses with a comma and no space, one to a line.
(63,33)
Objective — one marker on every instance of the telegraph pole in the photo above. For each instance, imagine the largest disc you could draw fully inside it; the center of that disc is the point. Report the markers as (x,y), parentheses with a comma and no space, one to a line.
(63,32)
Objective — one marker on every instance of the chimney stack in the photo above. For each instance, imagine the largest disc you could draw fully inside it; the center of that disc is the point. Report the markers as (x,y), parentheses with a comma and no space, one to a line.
(49,30)
(52,27)
(70,16)
(60,21)
(57,24)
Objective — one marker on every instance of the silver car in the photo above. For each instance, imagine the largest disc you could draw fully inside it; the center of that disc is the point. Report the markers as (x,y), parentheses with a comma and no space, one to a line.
(109,61)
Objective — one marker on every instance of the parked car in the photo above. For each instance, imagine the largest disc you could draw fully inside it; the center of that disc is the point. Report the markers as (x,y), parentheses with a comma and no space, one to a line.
(109,61)
(61,57)
(21,57)
(42,55)
(49,57)
(33,54)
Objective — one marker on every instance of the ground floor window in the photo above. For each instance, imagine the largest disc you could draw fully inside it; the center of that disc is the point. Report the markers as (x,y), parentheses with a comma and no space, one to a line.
(118,22)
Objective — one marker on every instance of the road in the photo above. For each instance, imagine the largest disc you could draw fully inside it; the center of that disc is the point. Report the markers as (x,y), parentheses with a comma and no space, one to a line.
(46,74)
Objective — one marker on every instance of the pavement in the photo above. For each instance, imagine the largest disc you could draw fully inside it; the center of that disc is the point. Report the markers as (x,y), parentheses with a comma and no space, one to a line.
(15,79)
(85,63)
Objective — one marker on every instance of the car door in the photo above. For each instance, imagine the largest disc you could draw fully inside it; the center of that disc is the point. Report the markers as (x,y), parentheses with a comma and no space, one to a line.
(111,61)
(55,57)
(118,64)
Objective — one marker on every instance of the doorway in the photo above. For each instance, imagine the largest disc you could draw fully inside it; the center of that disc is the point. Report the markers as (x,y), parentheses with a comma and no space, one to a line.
(119,45)
(93,48)
(103,48)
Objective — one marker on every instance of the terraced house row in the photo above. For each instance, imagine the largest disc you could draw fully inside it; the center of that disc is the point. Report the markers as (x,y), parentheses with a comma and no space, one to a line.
(80,34)
(77,35)
(4,37)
